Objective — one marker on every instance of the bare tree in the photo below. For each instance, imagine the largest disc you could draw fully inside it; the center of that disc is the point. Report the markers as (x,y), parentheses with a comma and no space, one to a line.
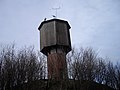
(7,67)
(117,76)
(84,64)
(42,66)
(110,75)
(20,67)
(100,71)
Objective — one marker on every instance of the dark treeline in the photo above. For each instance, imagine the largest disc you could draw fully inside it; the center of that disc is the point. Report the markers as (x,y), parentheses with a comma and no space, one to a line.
(85,64)
(19,67)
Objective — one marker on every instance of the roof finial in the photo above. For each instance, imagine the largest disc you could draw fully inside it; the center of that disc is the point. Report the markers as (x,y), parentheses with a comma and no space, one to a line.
(57,8)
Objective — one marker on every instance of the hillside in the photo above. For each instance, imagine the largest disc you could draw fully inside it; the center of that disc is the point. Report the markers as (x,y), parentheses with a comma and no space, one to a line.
(62,85)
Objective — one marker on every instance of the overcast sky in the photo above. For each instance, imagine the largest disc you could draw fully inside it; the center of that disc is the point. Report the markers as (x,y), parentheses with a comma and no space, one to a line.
(94,23)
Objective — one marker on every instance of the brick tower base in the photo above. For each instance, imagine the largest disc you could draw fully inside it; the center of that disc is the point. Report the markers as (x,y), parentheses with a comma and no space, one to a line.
(57,66)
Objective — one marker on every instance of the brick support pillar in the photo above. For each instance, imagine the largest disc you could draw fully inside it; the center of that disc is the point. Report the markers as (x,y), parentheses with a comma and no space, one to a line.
(57,66)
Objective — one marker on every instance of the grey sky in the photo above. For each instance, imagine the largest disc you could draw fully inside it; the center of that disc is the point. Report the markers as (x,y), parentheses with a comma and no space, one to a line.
(95,23)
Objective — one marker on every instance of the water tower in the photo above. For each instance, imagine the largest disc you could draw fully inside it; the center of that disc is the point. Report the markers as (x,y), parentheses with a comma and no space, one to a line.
(55,43)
